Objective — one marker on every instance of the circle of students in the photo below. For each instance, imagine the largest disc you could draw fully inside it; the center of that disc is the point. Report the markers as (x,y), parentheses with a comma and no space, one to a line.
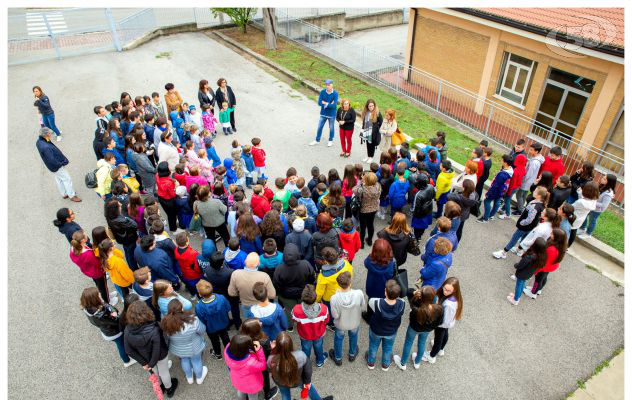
(295,245)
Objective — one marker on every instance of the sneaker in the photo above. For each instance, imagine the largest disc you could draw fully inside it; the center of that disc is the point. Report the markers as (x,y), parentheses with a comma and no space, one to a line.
(217,356)
(482,221)
(426,357)
(513,277)
(398,362)
(491,218)
(529,294)
(330,143)
(514,250)
(352,357)
(170,363)
(190,380)
(323,363)
(200,379)
(364,159)
(313,143)
(516,212)
(59,138)
(441,353)
(332,355)
(510,298)
(584,236)
(499,254)
(368,364)
(539,292)
(130,362)
(520,252)
(414,363)
(273,392)
(385,367)
(502,216)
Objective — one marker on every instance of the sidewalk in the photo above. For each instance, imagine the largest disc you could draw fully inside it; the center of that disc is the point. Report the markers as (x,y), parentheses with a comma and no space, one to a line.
(606,385)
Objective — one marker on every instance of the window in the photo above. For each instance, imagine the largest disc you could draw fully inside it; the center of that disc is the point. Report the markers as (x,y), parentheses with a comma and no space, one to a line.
(613,147)
(515,78)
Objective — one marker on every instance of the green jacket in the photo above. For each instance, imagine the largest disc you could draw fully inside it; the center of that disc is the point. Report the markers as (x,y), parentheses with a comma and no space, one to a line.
(224,116)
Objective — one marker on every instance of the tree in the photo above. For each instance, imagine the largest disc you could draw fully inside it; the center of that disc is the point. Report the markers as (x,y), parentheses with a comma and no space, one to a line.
(239,16)
(270,28)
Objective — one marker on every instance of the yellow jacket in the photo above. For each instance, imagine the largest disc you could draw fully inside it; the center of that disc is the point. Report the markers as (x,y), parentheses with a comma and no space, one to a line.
(132,183)
(326,284)
(120,273)
(104,179)
(444,183)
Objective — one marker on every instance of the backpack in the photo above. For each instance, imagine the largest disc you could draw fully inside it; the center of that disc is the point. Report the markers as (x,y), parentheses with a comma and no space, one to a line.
(91,179)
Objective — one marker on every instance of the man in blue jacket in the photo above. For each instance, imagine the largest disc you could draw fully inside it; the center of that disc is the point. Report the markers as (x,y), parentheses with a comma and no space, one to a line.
(55,161)
(160,264)
(328,101)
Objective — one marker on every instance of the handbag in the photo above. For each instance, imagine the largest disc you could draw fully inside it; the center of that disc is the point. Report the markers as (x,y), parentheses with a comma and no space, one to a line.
(401,277)
(413,245)
(397,138)
(356,202)
(196,223)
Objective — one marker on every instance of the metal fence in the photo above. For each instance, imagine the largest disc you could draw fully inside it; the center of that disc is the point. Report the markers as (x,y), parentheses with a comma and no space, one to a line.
(486,118)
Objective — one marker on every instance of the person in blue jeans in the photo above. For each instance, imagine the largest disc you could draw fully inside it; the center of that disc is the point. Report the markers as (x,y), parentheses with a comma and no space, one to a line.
(497,189)
(529,264)
(347,306)
(42,102)
(425,316)
(607,187)
(328,102)
(311,319)
(386,319)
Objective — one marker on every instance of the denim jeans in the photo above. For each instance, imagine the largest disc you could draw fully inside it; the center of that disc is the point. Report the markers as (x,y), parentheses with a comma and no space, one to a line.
(192,365)
(129,256)
(387,347)
(49,122)
(591,222)
(306,346)
(120,346)
(519,286)
(339,338)
(64,182)
(286,393)
(521,198)
(507,198)
(122,291)
(244,309)
(411,334)
(489,210)
(517,236)
(321,124)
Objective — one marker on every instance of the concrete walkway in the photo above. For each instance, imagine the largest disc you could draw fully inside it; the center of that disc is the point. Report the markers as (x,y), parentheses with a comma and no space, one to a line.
(606,385)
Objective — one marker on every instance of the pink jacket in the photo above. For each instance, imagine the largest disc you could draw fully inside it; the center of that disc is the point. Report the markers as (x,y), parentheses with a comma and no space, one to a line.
(245,374)
(206,169)
(208,122)
(190,180)
(194,160)
(88,263)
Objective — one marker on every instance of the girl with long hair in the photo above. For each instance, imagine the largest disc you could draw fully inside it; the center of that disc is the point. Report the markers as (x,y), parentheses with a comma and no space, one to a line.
(249,234)
(586,203)
(534,259)
(163,294)
(136,211)
(566,212)
(380,267)
(349,181)
(113,261)
(272,228)
(580,178)
(555,251)
(607,187)
(253,328)
(89,264)
(451,300)
(42,102)
(371,123)
(398,235)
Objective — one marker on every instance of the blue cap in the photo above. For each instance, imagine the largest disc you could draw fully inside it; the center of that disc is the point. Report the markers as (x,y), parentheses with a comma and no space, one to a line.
(328,82)
(191,107)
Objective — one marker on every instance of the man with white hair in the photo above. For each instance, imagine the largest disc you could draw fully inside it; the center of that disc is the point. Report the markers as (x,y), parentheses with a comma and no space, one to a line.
(55,161)
(242,281)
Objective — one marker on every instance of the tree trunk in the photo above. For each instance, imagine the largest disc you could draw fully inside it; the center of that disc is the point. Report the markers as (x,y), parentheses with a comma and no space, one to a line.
(270,28)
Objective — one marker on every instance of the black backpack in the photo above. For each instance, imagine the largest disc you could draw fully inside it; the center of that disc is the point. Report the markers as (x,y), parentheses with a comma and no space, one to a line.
(91,179)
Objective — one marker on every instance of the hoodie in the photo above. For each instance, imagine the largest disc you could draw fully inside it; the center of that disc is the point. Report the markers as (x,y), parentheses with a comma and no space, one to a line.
(377,275)
(270,262)
(271,316)
(322,240)
(260,205)
(326,284)
(219,274)
(88,263)
(444,182)
(187,259)
(311,320)
(301,239)
(204,258)
(158,262)
(145,343)
(68,229)
(555,167)
(235,259)
(230,177)
(499,184)
(246,373)
(293,274)
(248,161)
(531,173)
(104,179)
(429,249)
(518,173)
(397,193)
(386,318)
(347,308)
(399,244)
(213,312)
(312,210)
(434,271)
(350,242)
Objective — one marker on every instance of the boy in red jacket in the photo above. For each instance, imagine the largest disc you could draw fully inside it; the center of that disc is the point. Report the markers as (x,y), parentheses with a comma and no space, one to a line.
(259,158)
(349,239)
(311,320)
(553,163)
(519,171)
(259,203)
(186,256)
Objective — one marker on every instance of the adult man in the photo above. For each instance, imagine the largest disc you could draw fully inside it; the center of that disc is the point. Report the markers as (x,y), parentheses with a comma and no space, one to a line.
(242,281)
(328,101)
(55,161)
(167,151)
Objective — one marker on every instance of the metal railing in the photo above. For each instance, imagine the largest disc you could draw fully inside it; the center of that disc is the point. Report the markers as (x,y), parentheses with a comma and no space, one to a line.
(486,118)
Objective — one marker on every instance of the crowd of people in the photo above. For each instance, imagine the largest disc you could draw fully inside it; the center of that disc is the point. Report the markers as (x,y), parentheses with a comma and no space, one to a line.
(280,259)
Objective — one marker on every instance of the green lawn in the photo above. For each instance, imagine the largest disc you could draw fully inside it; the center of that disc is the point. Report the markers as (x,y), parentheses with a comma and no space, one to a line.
(411,119)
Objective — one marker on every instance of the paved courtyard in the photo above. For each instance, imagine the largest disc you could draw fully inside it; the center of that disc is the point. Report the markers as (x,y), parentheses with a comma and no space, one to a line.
(537,350)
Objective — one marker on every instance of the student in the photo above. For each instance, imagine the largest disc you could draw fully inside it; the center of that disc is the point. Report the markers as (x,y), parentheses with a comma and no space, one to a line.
(326,284)
(582,176)
(385,321)
(531,261)
(143,286)
(436,265)
(258,202)
(113,262)
(164,293)
(425,316)
(444,230)
(233,255)
(349,239)
(307,201)
(466,200)
(311,318)
(185,335)
(224,118)
(497,189)
(517,150)
(386,179)
(515,183)
(444,182)
(104,317)
(259,158)
(553,163)
(246,362)
(486,163)
(89,264)
(347,306)
(555,251)
(453,214)
(249,164)
(186,257)
(380,266)
(271,258)
(398,190)
(218,274)
(566,213)
(527,221)
(560,193)
(249,234)
(452,302)
(534,163)
(183,208)
(302,238)
(160,264)
(586,203)
(549,221)
(282,194)
(212,310)
(291,368)
(252,328)
(326,236)
(164,242)
(607,187)
(272,228)
(398,234)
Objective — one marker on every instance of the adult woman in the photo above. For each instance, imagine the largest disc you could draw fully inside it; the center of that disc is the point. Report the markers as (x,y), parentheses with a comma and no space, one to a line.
(371,123)
(88,263)
(466,200)
(65,223)
(346,117)
(42,102)
(167,194)
(124,230)
(380,268)
(369,192)
(291,368)
(249,234)
(145,343)
(206,95)
(388,128)
(144,168)
(272,227)
(186,340)
(398,235)
(326,236)
(172,98)
(224,93)
(422,205)
(607,186)
(213,214)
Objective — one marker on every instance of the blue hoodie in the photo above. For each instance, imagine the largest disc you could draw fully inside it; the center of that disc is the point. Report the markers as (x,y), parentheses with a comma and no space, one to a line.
(429,250)
(270,262)
(213,312)
(376,277)
(250,162)
(435,269)
(248,246)
(397,193)
(235,259)
(329,110)
(231,176)
(204,258)
(499,184)
(272,318)
(119,158)
(158,262)
(211,154)
(386,318)
(455,223)
(177,122)
(312,210)
(149,132)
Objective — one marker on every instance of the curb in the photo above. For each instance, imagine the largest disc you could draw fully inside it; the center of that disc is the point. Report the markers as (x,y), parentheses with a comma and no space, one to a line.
(593,244)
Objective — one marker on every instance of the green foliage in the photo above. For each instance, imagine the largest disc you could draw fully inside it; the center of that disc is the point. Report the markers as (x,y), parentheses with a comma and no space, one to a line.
(239,16)
(164,54)
(610,230)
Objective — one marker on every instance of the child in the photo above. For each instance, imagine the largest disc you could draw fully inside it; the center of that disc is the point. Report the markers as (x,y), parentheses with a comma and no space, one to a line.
(194,177)
(224,118)
(158,108)
(349,239)
(385,321)
(311,319)
(347,306)
(186,256)
(497,189)
(270,315)
(246,362)
(282,194)
(437,263)
(318,192)
(113,262)
(398,190)
(193,117)
(270,258)
(386,180)
(566,212)
(326,284)
(249,164)
(450,298)
(163,241)
(205,166)
(553,163)
(520,161)
(607,188)
(259,158)
(212,310)
(581,177)
(143,286)
(308,202)
(555,251)
(550,220)
(442,145)
(178,123)
(129,180)
(560,192)
(185,212)
(230,177)
(486,163)
(181,173)
(238,167)
(314,181)
(586,203)
(444,230)
(531,261)
(444,183)
(534,163)
(234,257)
(211,152)
(302,238)
(164,294)
(208,119)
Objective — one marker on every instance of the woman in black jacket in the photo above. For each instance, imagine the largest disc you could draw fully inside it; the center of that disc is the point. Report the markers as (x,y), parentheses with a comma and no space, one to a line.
(104,317)
(346,117)
(468,200)
(124,229)
(398,235)
(371,122)
(422,205)
(42,102)
(145,343)
(206,95)
(224,93)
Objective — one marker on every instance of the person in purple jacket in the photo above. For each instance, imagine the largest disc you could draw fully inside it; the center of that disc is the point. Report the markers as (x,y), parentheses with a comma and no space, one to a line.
(497,189)
(328,101)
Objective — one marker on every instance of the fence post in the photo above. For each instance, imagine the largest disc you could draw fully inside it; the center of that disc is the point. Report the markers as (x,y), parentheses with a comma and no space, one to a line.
(53,40)
(403,15)
(489,120)
(439,95)
(115,37)
(397,80)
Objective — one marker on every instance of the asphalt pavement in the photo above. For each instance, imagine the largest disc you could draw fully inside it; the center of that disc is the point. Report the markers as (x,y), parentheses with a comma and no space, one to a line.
(537,350)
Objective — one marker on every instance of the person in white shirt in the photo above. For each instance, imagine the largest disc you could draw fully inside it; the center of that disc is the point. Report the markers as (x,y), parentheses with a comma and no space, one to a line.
(586,203)
(167,151)
(607,186)
(469,172)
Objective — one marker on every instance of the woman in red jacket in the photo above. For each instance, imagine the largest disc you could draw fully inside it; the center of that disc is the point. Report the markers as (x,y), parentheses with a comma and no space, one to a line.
(555,251)
(167,194)
(516,181)
(88,263)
